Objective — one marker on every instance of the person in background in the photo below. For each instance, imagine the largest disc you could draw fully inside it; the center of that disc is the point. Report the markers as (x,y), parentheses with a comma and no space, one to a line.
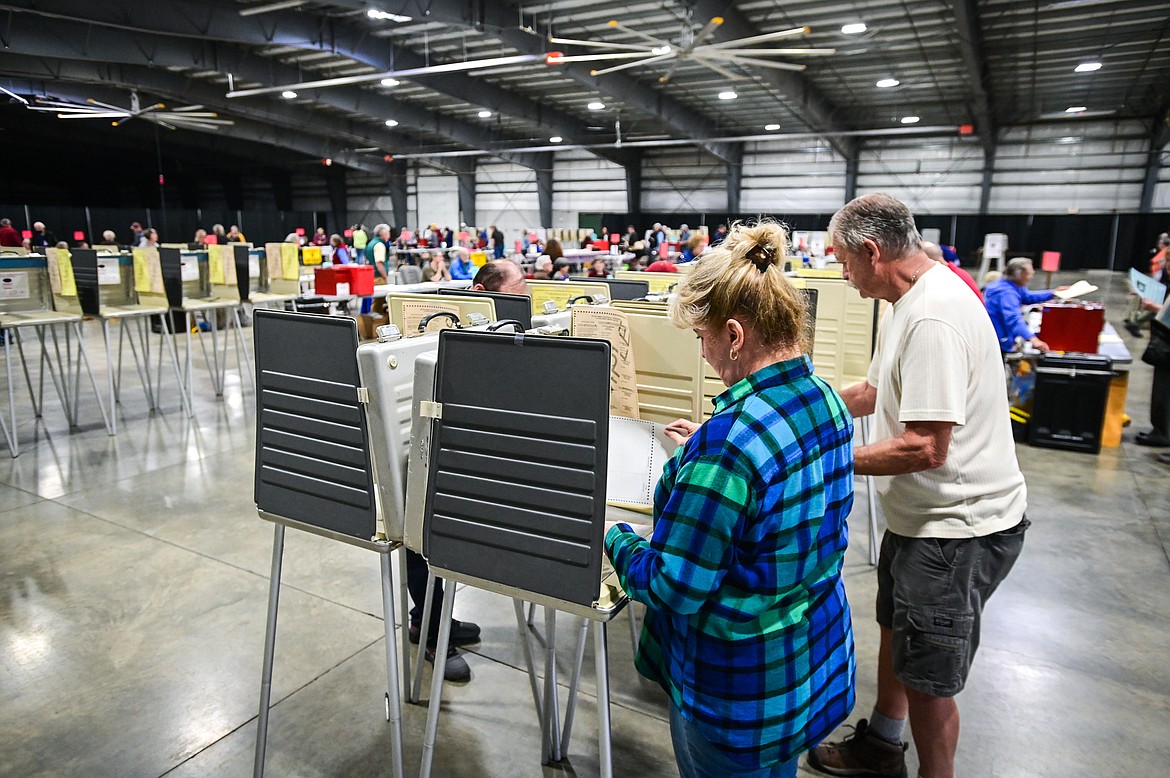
(561,270)
(320,238)
(662,266)
(41,237)
(136,233)
(461,268)
(377,253)
(221,237)
(200,236)
(448,237)
(150,238)
(360,238)
(500,275)
(692,248)
(938,254)
(235,236)
(26,244)
(630,238)
(720,235)
(1141,310)
(108,239)
(684,233)
(340,250)
(749,531)
(1005,299)
(544,268)
(498,246)
(434,268)
(952,492)
(8,234)
(597,269)
(553,250)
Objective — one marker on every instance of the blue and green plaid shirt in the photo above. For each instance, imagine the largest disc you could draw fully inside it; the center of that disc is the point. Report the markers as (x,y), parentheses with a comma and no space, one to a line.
(747,627)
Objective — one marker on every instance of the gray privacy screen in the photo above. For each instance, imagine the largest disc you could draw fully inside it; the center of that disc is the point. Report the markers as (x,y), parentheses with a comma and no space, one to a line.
(620,288)
(312,453)
(516,493)
(508,306)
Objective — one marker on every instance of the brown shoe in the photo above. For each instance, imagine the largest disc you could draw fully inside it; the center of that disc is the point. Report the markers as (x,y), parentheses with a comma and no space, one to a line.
(860,755)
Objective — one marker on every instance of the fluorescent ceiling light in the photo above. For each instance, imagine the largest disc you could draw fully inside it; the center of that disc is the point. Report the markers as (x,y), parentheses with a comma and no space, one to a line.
(374,13)
(596,105)
(1075,109)
(485,114)
(660,50)
(288,94)
(910,120)
(886,83)
(854,29)
(771,127)
(391,122)
(728,95)
(1069,139)
(390,82)
(555,139)
(1087,67)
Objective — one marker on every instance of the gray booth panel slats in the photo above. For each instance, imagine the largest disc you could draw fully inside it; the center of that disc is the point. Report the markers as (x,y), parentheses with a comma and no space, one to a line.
(533,529)
(621,289)
(312,454)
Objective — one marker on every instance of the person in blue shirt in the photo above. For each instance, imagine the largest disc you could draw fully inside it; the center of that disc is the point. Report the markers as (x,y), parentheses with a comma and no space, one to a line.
(461,267)
(1005,299)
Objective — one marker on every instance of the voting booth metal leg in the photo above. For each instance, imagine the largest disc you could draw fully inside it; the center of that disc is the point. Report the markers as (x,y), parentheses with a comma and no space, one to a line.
(404,608)
(59,384)
(37,399)
(244,361)
(604,738)
(269,651)
(394,691)
(550,731)
(526,643)
(10,434)
(574,686)
(83,357)
(424,632)
(870,497)
(185,398)
(436,700)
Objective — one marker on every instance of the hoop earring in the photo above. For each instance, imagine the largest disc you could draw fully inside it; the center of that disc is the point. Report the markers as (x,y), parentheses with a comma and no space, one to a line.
(734,355)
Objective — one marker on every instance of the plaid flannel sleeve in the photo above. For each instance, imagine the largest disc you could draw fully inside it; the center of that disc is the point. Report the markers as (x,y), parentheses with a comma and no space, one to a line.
(685,559)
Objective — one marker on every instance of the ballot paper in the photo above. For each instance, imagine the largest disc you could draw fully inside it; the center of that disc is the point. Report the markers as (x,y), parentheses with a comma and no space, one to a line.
(1079,289)
(638,450)
(1147,287)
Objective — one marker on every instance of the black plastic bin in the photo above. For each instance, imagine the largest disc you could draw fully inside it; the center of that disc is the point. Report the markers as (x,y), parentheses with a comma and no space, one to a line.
(1069,406)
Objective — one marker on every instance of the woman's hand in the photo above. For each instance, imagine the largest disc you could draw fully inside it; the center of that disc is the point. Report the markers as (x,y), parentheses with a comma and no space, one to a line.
(680,430)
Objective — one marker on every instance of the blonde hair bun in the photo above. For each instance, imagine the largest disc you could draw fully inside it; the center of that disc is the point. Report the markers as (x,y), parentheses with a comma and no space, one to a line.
(764,244)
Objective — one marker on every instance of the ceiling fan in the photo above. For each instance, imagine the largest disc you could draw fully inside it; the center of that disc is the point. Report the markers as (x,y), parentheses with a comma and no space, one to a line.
(691,47)
(192,117)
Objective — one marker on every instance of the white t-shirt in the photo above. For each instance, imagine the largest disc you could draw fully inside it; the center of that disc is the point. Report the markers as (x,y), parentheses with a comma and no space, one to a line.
(938,359)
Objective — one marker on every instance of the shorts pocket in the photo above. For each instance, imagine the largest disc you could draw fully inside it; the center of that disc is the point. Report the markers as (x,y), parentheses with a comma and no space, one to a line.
(932,655)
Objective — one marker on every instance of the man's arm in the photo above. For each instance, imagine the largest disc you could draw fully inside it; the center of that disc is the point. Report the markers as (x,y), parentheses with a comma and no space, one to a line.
(860,399)
(1028,297)
(922,446)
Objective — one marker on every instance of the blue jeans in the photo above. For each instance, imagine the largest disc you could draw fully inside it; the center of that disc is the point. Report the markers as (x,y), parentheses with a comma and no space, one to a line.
(698,758)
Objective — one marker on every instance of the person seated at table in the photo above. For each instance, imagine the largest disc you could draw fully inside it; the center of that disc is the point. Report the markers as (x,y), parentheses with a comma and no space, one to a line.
(747,626)
(553,250)
(500,275)
(340,250)
(434,268)
(662,266)
(561,270)
(597,269)
(461,267)
(692,248)
(1005,298)
(544,268)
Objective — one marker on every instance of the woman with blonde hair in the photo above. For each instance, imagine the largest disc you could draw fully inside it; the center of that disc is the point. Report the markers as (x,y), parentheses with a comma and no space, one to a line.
(747,626)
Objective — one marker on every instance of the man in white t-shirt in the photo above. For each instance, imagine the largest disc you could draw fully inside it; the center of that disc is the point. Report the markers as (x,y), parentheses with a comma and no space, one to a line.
(951,489)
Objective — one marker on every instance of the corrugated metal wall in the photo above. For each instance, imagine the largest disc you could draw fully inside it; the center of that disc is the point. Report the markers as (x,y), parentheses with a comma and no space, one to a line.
(505,195)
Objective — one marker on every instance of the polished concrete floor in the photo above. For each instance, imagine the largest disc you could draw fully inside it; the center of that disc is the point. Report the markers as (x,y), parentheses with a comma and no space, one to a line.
(135,577)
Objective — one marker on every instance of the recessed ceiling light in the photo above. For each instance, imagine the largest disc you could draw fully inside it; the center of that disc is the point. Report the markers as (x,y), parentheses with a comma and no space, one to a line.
(886,83)
(374,13)
(391,122)
(1075,109)
(555,139)
(288,94)
(390,82)
(1087,67)
(854,29)
(485,114)
(910,120)
(660,50)
(771,127)
(728,95)
(596,105)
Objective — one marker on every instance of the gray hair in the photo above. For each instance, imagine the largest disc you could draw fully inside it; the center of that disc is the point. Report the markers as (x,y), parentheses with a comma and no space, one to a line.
(877,217)
(1017,267)
(379,227)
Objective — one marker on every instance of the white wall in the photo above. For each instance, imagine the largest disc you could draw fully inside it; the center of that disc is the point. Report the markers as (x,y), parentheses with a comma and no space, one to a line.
(804,177)
(586,183)
(930,176)
(436,199)
(505,195)
(683,179)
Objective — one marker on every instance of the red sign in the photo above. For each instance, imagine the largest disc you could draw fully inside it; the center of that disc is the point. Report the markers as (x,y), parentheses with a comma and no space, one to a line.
(300,230)
(349,233)
(1050,261)
(26,234)
(78,235)
(211,240)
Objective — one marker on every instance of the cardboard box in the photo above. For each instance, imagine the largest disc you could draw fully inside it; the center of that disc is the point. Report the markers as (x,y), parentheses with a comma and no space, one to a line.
(368,324)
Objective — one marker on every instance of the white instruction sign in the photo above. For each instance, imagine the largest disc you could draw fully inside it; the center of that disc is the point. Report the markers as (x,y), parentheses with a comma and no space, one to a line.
(14,286)
(190,271)
(109,273)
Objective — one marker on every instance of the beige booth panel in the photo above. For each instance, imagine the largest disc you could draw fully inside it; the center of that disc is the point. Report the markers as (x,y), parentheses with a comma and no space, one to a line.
(659,282)
(843,344)
(24,289)
(560,292)
(406,310)
(669,368)
(641,306)
(831,270)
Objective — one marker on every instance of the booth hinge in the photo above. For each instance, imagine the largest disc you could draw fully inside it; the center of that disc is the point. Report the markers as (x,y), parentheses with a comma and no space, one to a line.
(430,409)
(363,395)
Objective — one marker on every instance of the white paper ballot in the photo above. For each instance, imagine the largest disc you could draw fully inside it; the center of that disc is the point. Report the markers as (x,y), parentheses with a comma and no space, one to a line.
(190,269)
(1147,287)
(109,273)
(1079,289)
(637,451)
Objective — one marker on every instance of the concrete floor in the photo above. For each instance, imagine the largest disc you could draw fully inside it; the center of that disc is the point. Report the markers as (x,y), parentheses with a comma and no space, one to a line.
(135,575)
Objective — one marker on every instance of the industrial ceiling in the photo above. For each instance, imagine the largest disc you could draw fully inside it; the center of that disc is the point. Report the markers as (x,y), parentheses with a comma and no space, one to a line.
(949,66)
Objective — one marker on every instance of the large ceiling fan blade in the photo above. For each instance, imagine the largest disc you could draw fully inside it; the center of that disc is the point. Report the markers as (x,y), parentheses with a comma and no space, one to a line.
(718,68)
(599,57)
(107,106)
(765,63)
(768,36)
(616,25)
(597,44)
(771,52)
(188,108)
(95,115)
(626,66)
